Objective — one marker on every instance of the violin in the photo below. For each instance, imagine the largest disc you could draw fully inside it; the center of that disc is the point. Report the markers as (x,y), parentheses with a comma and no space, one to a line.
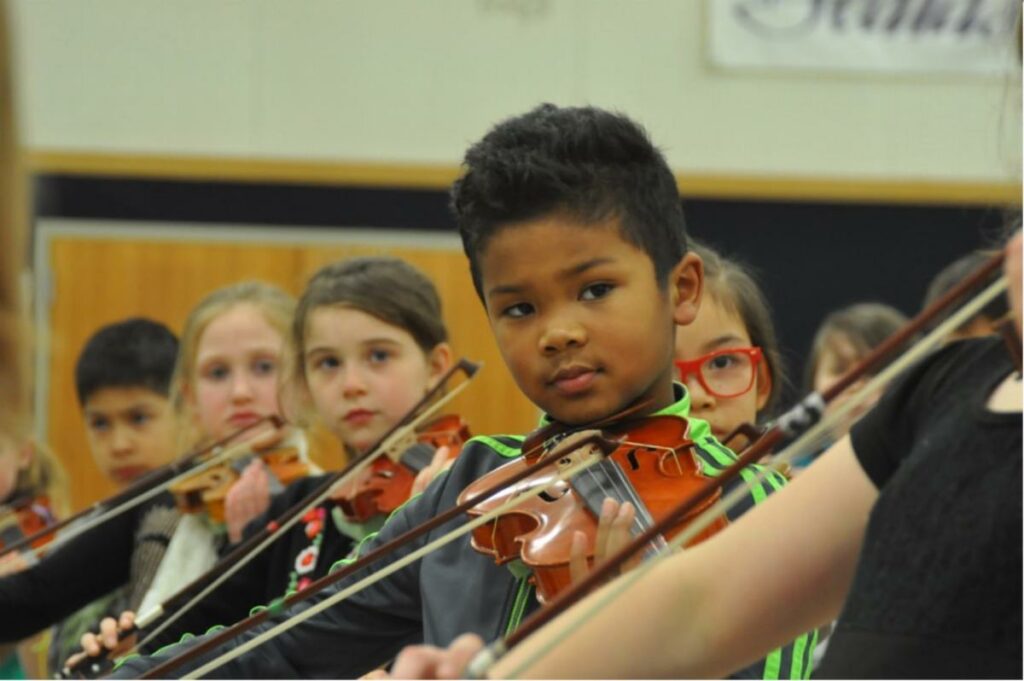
(208,490)
(652,465)
(25,517)
(387,483)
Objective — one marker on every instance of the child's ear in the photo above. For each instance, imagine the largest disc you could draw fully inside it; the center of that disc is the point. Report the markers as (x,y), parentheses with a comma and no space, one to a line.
(439,361)
(686,286)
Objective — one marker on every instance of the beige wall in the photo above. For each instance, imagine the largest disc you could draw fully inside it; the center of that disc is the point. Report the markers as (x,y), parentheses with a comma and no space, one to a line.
(413,81)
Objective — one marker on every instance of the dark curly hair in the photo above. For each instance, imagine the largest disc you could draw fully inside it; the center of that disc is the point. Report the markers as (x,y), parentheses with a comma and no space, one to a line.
(591,164)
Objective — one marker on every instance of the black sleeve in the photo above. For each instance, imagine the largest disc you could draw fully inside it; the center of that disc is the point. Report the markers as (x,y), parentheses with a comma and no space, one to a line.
(883,436)
(253,584)
(344,641)
(228,603)
(70,576)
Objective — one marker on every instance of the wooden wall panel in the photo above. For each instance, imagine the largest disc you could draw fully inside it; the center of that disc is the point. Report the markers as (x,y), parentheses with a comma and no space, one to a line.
(96,281)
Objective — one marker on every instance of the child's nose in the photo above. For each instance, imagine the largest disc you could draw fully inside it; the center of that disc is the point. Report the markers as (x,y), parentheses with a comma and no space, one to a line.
(120,441)
(241,387)
(352,382)
(699,397)
(561,336)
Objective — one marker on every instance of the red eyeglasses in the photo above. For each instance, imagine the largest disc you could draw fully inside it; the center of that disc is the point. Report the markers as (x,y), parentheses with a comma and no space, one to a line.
(723,373)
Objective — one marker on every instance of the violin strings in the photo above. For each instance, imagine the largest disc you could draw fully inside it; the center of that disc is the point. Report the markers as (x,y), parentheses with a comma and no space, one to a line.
(375,577)
(931,341)
(517,499)
(150,617)
(87,524)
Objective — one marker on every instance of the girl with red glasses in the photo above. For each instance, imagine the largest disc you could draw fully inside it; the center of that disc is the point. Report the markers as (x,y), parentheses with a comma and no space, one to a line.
(728,358)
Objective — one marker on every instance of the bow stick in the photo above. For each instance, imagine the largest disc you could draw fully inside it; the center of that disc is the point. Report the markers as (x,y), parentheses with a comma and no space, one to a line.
(246,551)
(147,487)
(539,436)
(177,605)
(791,423)
(606,446)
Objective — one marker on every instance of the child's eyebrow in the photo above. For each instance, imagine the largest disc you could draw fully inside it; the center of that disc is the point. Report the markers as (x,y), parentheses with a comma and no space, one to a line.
(582,267)
(729,338)
(381,340)
(567,273)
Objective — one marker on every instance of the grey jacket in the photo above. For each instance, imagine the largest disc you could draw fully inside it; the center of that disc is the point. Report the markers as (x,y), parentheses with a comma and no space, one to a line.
(452,591)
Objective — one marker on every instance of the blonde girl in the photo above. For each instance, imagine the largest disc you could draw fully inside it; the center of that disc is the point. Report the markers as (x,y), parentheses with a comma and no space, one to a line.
(367,342)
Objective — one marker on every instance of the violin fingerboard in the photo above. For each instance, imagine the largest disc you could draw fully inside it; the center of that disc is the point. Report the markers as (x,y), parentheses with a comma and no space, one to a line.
(418,457)
(605,479)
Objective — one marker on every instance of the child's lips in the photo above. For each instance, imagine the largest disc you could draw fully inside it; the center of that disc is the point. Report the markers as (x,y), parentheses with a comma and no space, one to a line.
(574,380)
(358,417)
(128,473)
(243,419)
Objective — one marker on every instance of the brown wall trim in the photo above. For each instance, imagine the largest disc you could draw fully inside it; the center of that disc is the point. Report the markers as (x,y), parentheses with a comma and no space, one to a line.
(413,176)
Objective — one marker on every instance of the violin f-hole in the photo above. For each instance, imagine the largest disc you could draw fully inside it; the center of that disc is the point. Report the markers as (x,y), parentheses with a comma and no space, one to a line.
(634,464)
(555,492)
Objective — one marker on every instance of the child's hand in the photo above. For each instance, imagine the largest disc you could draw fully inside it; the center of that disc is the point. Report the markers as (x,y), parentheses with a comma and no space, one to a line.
(108,639)
(437,464)
(430,662)
(612,534)
(247,498)
(265,437)
(12,562)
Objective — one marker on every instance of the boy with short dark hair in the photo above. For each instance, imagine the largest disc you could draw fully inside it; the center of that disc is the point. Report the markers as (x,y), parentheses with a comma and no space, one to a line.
(122,379)
(575,237)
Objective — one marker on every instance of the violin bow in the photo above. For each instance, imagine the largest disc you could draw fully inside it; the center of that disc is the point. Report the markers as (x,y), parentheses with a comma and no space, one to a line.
(804,414)
(790,424)
(536,441)
(249,549)
(605,446)
(142,490)
(796,422)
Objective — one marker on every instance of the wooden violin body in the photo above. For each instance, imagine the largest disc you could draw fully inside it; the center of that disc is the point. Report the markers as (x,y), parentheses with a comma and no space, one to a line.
(23,518)
(207,491)
(654,467)
(387,482)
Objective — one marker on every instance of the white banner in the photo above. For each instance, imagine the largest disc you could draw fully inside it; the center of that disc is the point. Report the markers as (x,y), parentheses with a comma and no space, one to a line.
(894,36)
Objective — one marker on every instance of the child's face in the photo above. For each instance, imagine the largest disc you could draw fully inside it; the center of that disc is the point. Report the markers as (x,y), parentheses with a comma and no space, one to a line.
(237,362)
(364,374)
(130,431)
(13,459)
(838,356)
(579,318)
(717,327)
